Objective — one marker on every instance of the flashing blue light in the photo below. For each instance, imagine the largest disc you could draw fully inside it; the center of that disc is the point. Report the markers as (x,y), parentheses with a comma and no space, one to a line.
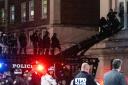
(1,65)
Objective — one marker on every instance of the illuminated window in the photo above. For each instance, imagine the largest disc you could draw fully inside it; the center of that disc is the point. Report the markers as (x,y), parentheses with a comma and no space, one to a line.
(31,10)
(12,14)
(2,16)
(23,12)
(44,8)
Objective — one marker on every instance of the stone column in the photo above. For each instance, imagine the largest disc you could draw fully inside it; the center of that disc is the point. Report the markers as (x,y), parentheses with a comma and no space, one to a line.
(111,4)
(125,14)
(51,11)
(114,5)
(104,7)
(55,12)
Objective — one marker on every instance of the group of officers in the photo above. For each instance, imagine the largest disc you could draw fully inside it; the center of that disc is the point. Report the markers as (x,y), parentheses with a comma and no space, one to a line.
(110,23)
(13,43)
(48,77)
(113,77)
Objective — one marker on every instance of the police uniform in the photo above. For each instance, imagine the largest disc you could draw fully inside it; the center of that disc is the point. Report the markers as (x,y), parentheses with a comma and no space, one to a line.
(83,78)
(48,80)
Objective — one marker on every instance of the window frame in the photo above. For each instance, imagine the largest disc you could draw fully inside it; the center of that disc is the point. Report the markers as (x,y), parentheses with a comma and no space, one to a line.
(31,9)
(12,13)
(44,7)
(2,16)
(23,11)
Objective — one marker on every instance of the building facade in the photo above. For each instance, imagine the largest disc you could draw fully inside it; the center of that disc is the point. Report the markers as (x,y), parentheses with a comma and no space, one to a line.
(24,14)
(67,18)
(72,20)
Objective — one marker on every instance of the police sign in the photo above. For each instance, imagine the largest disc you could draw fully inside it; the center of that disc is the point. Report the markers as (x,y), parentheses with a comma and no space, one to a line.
(21,66)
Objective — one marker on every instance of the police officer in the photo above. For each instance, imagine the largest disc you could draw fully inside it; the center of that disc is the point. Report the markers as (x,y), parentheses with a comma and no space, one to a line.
(18,77)
(48,78)
(83,77)
(114,77)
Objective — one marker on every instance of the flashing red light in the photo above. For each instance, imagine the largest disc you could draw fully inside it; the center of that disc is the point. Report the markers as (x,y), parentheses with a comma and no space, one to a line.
(40,67)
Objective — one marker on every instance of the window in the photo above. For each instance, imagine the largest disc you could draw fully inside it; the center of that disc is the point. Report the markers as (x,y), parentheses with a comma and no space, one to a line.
(23,12)
(44,8)
(31,10)
(2,16)
(12,14)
